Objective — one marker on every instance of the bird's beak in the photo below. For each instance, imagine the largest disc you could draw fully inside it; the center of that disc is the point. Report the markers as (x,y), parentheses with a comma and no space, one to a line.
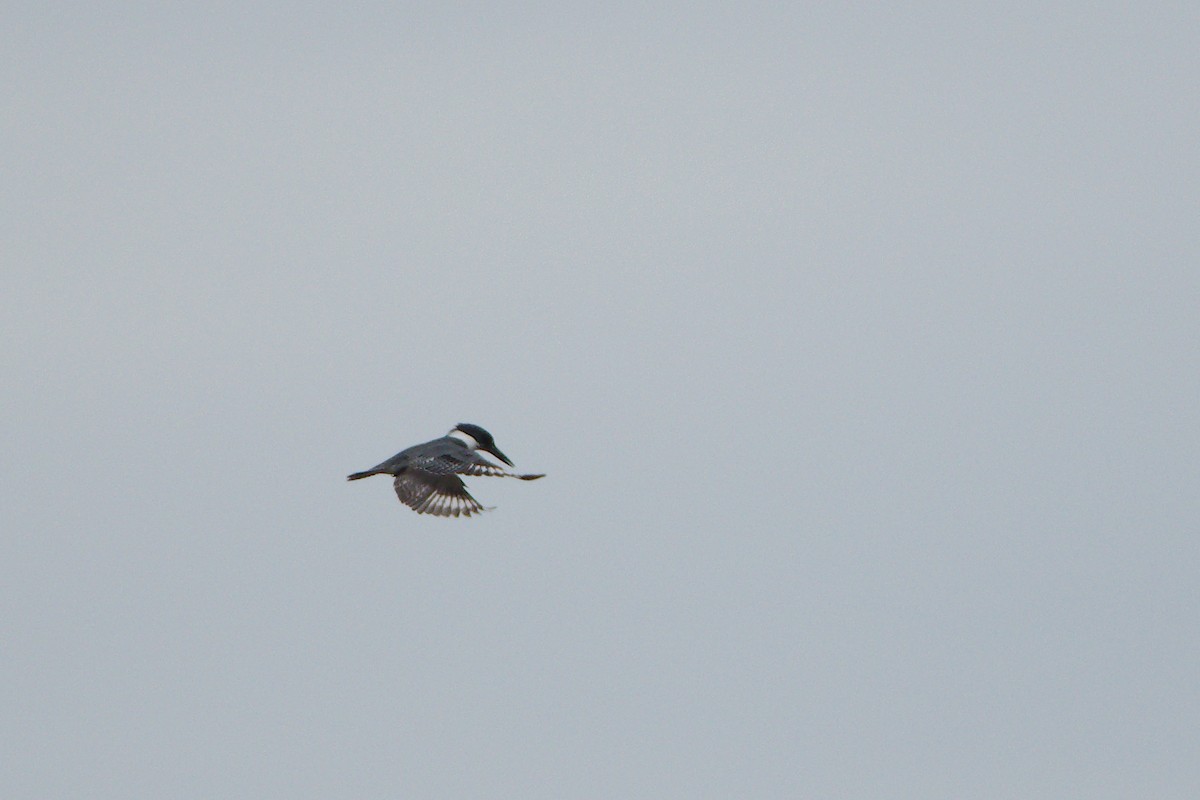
(496,452)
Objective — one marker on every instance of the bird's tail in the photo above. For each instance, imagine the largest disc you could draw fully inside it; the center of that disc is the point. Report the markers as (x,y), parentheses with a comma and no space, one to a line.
(529,477)
(360,475)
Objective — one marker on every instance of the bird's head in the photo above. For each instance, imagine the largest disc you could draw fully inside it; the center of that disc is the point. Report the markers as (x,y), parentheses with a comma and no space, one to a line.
(478,439)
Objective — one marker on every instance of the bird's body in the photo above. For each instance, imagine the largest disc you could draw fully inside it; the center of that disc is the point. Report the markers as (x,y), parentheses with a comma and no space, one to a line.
(427,475)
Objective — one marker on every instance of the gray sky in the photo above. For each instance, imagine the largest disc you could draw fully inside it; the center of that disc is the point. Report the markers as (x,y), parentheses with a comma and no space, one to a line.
(860,345)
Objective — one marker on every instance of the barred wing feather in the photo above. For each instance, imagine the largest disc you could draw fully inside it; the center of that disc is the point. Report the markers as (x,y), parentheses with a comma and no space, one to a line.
(440,495)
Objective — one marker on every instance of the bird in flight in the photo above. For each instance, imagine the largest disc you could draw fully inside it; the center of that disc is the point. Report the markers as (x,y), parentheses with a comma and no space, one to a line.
(427,475)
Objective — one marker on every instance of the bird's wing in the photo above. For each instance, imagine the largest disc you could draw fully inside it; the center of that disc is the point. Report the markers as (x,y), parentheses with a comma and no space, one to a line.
(493,471)
(441,495)
(478,465)
(463,463)
(442,463)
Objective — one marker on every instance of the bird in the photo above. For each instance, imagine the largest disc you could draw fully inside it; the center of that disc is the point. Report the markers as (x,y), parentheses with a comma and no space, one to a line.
(427,475)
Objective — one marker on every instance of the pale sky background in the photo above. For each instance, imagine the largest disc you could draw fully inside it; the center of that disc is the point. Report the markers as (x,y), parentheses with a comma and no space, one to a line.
(860,344)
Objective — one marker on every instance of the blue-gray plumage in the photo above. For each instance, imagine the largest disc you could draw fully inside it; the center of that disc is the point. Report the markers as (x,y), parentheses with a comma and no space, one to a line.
(426,475)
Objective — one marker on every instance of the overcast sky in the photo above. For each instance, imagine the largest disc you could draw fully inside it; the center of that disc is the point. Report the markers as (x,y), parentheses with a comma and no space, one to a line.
(860,345)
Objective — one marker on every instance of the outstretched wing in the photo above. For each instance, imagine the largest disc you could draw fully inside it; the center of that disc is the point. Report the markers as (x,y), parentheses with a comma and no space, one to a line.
(484,467)
(464,463)
(442,495)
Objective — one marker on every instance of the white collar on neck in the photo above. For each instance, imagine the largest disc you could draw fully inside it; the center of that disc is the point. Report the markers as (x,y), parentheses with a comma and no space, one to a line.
(465,438)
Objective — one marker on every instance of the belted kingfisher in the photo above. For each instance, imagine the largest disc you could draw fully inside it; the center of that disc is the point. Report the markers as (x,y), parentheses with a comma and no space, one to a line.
(427,474)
